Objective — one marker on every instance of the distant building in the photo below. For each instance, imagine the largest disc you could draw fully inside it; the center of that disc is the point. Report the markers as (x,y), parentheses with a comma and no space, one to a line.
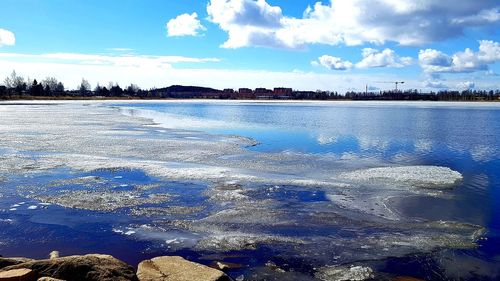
(263,91)
(283,91)
(229,93)
(245,93)
(263,94)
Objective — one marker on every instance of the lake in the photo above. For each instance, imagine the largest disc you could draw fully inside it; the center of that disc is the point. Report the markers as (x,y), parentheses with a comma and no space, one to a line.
(283,190)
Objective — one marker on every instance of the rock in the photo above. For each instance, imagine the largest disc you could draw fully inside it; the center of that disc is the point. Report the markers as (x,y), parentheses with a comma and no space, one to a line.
(174,268)
(4,262)
(76,268)
(21,274)
(49,279)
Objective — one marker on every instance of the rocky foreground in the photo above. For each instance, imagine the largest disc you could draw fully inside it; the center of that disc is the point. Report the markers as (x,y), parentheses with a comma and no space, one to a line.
(104,268)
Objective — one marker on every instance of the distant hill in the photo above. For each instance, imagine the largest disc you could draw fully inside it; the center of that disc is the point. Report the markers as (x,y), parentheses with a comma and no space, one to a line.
(179,91)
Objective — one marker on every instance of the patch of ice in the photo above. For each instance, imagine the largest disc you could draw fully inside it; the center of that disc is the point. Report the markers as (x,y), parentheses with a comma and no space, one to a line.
(173,241)
(243,241)
(367,203)
(344,273)
(417,176)
(102,200)
(33,207)
(227,193)
(124,232)
(79,180)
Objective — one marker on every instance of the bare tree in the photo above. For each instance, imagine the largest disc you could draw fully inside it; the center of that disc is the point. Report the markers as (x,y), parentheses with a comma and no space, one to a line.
(51,83)
(84,87)
(14,81)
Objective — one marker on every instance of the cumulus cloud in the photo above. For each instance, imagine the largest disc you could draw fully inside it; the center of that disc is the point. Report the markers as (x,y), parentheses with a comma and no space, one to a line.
(489,51)
(434,58)
(184,25)
(7,38)
(333,63)
(371,58)
(385,58)
(247,22)
(354,22)
(467,61)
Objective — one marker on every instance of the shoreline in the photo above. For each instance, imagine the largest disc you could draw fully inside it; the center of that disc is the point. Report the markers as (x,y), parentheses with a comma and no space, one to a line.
(493,104)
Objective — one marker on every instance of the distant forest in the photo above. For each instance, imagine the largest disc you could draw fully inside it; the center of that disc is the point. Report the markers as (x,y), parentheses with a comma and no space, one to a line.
(17,87)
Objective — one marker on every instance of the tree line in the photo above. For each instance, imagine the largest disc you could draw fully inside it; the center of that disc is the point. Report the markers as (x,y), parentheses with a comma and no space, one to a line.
(17,87)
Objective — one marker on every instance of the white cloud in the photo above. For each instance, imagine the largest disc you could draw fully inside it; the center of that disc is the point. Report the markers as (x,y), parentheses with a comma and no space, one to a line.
(120,49)
(354,22)
(7,38)
(248,22)
(434,84)
(139,61)
(483,17)
(371,58)
(489,51)
(385,58)
(434,58)
(467,85)
(467,61)
(333,63)
(184,25)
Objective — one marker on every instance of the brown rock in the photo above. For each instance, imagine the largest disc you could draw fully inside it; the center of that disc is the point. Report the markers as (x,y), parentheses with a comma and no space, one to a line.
(173,268)
(21,274)
(49,279)
(12,261)
(81,268)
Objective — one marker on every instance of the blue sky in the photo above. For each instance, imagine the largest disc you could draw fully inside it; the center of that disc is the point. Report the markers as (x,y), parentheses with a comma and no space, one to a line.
(331,45)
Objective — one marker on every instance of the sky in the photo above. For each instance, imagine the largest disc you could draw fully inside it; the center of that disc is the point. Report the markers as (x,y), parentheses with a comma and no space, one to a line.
(338,45)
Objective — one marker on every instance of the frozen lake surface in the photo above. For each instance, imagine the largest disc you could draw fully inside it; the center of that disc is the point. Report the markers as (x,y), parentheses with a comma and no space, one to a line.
(287,191)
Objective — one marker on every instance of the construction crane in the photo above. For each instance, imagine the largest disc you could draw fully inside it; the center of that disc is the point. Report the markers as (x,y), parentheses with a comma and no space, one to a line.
(392,82)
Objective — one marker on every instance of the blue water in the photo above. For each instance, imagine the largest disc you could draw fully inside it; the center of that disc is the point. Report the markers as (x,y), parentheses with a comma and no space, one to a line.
(461,136)
(464,137)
